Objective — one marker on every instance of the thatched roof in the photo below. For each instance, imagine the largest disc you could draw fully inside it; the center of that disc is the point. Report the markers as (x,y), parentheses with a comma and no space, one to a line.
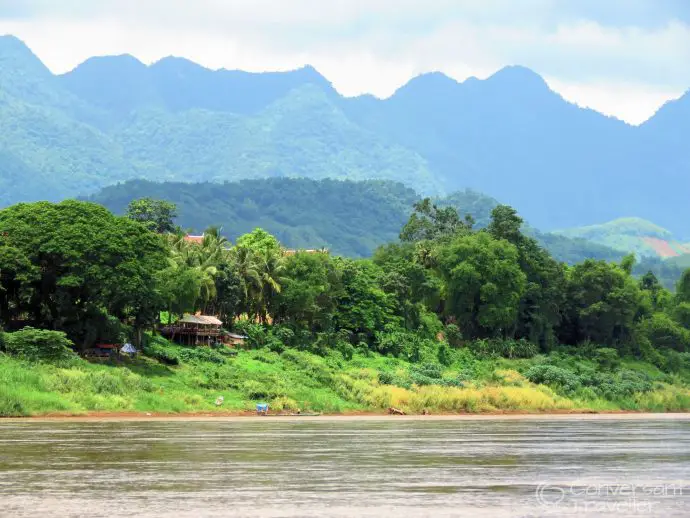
(203,320)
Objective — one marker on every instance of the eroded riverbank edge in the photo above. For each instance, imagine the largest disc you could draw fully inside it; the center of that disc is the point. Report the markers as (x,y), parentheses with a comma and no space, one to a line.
(244,417)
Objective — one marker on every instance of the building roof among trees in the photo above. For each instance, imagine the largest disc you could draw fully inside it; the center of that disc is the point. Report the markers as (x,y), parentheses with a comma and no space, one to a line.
(201,319)
(194,239)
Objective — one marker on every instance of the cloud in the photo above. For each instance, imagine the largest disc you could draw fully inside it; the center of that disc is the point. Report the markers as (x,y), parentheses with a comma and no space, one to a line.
(594,52)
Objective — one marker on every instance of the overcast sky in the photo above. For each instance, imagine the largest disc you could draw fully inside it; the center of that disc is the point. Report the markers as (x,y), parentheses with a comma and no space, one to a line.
(621,57)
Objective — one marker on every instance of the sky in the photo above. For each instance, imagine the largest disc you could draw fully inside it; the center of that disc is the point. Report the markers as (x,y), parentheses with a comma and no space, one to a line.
(621,57)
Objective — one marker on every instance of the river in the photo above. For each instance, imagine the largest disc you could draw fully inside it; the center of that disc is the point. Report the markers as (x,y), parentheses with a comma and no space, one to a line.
(546,466)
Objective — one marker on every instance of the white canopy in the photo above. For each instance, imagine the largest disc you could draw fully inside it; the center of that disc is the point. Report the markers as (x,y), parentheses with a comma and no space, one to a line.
(129,349)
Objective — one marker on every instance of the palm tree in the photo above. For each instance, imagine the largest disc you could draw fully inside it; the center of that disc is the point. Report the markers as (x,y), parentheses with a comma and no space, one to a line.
(271,272)
(246,264)
(204,258)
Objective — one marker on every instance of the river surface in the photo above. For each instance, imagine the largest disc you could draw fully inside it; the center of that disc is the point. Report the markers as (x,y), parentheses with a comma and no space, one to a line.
(339,467)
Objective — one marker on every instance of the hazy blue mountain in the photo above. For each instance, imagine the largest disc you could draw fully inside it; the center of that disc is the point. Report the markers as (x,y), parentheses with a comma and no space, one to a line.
(121,84)
(513,138)
(510,136)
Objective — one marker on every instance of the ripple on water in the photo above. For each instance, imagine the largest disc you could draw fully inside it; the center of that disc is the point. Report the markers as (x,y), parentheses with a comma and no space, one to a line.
(344,468)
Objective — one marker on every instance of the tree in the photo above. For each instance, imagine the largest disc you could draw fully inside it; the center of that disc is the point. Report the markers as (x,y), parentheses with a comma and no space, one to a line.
(260,242)
(412,285)
(541,303)
(683,287)
(429,222)
(663,332)
(228,292)
(483,284)
(363,307)
(310,288)
(246,265)
(86,266)
(157,215)
(260,265)
(271,272)
(603,302)
(505,224)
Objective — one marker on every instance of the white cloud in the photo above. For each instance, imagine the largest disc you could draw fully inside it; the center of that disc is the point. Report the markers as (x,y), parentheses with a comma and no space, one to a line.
(376,45)
(630,102)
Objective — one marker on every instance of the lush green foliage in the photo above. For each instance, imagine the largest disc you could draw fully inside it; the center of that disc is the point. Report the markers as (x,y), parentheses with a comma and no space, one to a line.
(156,215)
(446,306)
(37,345)
(348,218)
(75,267)
(300,380)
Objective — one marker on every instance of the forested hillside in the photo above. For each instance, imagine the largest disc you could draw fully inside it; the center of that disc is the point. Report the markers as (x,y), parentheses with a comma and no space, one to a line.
(632,235)
(510,136)
(349,218)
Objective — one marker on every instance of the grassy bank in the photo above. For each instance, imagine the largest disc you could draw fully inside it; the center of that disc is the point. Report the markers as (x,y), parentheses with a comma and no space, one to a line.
(174,379)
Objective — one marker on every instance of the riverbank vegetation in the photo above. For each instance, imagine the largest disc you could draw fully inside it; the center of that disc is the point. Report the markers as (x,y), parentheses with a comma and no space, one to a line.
(447,319)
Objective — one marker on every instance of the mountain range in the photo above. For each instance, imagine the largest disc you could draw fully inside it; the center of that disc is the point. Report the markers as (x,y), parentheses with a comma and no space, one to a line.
(114,119)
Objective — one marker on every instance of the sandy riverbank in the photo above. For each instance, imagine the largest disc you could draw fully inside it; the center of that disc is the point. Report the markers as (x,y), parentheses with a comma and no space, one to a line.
(355,417)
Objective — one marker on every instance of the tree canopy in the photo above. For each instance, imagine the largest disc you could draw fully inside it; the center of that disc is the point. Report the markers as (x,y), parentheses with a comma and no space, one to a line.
(74,267)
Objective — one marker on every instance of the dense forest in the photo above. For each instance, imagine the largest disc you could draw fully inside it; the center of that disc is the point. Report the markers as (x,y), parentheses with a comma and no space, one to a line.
(72,274)
(113,119)
(348,218)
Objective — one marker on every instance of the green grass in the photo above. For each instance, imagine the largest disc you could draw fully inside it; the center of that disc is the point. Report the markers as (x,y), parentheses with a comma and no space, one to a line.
(300,380)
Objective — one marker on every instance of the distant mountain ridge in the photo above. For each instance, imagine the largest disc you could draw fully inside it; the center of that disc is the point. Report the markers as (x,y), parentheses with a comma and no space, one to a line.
(113,119)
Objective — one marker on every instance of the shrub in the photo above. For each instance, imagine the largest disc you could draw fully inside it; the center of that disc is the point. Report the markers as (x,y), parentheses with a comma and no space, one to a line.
(11,406)
(253,389)
(200,354)
(453,335)
(429,370)
(508,348)
(391,378)
(256,333)
(39,345)
(283,403)
(346,349)
(285,335)
(445,356)
(607,358)
(312,366)
(675,362)
(663,332)
(554,376)
(386,378)
(160,349)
